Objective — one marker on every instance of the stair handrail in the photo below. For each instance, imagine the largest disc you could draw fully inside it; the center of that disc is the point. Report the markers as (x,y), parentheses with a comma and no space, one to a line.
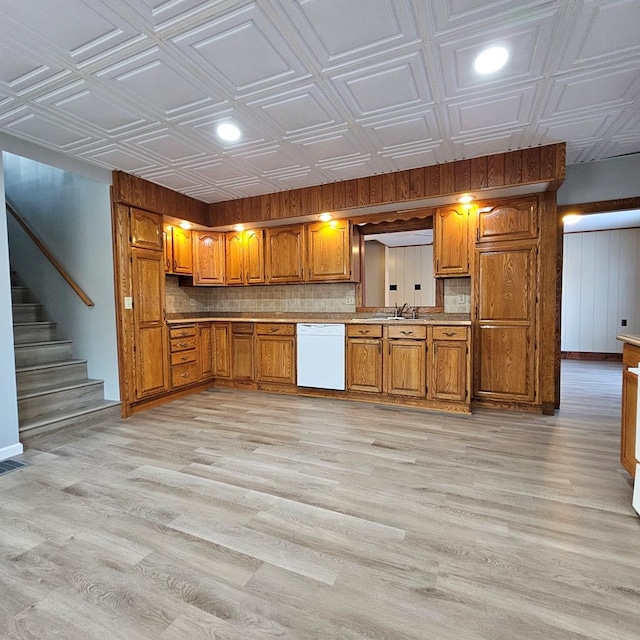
(47,254)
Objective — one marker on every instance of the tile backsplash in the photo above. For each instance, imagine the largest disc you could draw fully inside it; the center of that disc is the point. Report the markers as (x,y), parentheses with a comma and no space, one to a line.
(318,298)
(457,295)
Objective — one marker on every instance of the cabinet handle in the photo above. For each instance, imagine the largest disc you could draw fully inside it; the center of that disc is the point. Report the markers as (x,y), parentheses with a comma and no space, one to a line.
(185,375)
(184,344)
(364,331)
(175,265)
(449,333)
(184,358)
(273,329)
(407,333)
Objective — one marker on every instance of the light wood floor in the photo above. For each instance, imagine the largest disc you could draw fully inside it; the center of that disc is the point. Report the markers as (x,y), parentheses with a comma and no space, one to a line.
(239,515)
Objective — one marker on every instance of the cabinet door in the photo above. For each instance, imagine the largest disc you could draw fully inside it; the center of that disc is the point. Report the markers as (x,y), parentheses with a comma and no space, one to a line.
(242,356)
(448,370)
(285,251)
(511,220)
(253,256)
(182,252)
(145,229)
(629,410)
(205,351)
(151,370)
(275,359)
(167,244)
(221,350)
(329,251)
(209,250)
(505,365)
(404,368)
(234,258)
(451,242)
(364,365)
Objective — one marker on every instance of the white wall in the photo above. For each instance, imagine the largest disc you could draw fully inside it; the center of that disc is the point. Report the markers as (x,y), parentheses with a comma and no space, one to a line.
(603,180)
(72,215)
(9,443)
(375,261)
(408,266)
(601,286)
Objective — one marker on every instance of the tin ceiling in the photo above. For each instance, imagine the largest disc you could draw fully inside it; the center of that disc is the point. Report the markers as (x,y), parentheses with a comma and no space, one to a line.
(323,90)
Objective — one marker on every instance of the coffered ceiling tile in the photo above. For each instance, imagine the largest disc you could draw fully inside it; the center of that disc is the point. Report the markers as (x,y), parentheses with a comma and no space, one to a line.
(364,27)
(576,92)
(96,111)
(331,147)
(243,49)
(399,83)
(527,43)
(266,160)
(170,179)
(492,111)
(603,31)
(116,158)
(19,69)
(73,27)
(419,156)
(473,147)
(300,111)
(413,129)
(449,15)
(218,171)
(578,130)
(153,80)
(38,129)
(168,146)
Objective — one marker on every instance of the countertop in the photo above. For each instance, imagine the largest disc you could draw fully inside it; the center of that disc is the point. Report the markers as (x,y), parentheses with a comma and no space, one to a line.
(328,318)
(629,339)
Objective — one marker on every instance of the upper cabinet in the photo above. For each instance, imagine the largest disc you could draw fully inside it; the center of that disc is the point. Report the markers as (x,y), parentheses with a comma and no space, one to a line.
(509,220)
(451,241)
(145,230)
(178,256)
(284,247)
(330,252)
(245,257)
(208,257)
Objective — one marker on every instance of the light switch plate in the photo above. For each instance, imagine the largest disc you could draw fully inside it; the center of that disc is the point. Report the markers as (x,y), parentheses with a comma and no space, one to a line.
(128,302)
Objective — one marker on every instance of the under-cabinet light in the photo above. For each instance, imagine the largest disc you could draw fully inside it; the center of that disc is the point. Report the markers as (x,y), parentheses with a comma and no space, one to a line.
(571,218)
(325,217)
(185,225)
(465,199)
(239,227)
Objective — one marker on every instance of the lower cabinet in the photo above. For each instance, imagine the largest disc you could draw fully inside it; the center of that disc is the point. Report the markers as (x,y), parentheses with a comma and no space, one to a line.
(276,353)
(221,347)
(242,351)
(205,351)
(630,358)
(404,361)
(364,358)
(448,369)
(183,355)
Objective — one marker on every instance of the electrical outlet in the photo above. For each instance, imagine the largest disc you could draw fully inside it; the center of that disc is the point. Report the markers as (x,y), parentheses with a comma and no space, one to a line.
(461,298)
(296,303)
(349,299)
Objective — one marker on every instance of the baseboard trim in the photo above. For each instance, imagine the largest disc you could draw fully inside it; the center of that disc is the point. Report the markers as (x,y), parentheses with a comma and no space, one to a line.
(11,451)
(591,355)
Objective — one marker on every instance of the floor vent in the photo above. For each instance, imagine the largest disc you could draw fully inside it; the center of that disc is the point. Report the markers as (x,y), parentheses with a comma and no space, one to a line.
(7,466)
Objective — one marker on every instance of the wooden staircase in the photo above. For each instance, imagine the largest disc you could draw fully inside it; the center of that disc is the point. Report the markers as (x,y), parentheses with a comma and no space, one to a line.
(54,389)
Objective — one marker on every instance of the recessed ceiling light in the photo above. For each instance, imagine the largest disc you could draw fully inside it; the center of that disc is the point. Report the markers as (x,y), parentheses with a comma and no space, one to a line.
(491,60)
(228,131)
(571,218)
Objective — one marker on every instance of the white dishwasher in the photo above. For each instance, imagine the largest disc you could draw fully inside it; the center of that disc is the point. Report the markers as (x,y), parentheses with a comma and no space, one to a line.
(321,355)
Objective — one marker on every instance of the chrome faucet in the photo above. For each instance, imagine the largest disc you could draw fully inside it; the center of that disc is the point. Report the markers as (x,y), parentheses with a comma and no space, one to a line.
(399,313)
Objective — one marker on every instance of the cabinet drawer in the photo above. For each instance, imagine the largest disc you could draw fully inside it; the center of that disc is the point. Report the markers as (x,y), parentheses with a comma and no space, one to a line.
(407,331)
(449,333)
(184,374)
(182,332)
(183,344)
(364,330)
(265,329)
(182,357)
(242,327)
